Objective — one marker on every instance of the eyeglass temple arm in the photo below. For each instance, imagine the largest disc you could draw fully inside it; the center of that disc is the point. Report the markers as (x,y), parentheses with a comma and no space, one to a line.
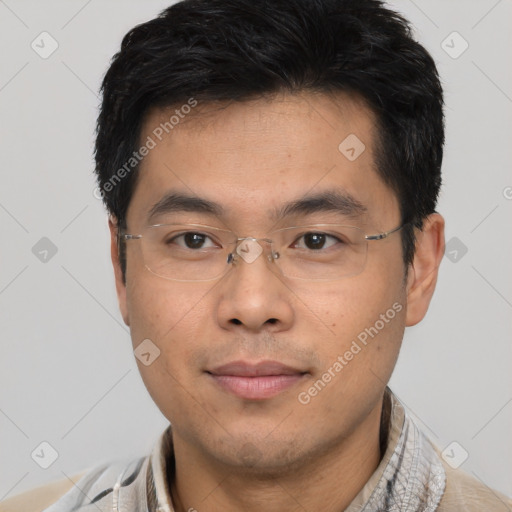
(380,236)
(126,236)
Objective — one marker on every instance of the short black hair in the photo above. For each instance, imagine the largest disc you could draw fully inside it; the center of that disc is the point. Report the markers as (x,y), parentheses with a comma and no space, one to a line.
(222,50)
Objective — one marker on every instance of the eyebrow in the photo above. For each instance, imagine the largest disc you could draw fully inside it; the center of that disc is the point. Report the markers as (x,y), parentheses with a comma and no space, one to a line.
(175,202)
(337,202)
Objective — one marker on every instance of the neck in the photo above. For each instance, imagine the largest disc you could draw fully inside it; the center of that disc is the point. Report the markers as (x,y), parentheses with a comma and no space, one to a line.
(327,481)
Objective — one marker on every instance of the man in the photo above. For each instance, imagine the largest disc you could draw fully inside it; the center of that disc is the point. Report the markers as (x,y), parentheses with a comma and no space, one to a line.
(271,170)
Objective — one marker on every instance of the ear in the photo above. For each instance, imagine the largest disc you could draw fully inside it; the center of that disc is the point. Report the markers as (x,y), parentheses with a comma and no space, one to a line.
(118,274)
(422,277)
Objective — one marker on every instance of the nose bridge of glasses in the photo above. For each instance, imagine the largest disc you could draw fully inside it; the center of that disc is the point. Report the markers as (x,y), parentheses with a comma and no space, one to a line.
(250,248)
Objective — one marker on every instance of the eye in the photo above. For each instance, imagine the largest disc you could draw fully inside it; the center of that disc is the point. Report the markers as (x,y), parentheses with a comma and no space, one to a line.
(192,240)
(315,241)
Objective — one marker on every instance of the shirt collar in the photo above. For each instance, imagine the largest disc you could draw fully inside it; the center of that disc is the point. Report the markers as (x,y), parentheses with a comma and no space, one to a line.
(410,475)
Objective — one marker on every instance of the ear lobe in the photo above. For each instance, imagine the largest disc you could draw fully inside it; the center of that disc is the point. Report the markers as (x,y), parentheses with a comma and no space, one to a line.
(422,278)
(118,273)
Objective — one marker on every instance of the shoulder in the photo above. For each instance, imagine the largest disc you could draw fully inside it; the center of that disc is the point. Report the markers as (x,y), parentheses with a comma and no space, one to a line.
(464,492)
(95,489)
(37,499)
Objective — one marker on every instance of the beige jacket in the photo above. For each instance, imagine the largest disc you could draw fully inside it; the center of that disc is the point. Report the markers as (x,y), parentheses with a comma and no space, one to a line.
(412,476)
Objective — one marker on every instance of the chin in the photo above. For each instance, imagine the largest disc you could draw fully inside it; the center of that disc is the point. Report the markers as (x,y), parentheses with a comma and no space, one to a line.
(255,450)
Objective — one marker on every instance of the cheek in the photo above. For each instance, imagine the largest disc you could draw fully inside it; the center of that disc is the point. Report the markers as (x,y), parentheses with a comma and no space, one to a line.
(171,315)
(345,307)
(361,319)
(366,326)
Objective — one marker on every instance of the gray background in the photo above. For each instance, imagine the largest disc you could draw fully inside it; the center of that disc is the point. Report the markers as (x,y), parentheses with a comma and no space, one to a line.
(68,375)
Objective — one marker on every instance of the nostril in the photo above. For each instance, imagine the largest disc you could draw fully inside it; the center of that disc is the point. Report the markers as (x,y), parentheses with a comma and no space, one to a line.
(236,321)
(271,321)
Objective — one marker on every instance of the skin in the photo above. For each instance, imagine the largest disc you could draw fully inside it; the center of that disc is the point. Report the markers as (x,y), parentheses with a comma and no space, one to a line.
(276,454)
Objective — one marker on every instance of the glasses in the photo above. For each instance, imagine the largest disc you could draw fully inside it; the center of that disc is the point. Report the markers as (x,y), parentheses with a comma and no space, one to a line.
(193,252)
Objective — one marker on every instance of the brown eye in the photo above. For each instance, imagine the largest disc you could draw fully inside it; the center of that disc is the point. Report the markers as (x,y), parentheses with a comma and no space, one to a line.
(316,241)
(192,240)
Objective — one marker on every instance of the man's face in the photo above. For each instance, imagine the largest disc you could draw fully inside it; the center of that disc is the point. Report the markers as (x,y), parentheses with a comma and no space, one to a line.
(252,159)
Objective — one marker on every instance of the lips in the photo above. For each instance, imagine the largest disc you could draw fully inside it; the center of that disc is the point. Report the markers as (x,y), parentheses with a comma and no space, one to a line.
(259,381)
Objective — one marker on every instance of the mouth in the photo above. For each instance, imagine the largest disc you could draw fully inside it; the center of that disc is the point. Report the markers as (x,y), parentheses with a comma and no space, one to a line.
(259,381)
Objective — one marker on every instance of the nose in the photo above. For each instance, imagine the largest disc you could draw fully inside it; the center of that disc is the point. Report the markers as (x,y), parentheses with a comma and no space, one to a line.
(252,295)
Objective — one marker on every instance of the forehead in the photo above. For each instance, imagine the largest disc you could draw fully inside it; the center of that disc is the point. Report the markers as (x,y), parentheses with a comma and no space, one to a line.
(255,156)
